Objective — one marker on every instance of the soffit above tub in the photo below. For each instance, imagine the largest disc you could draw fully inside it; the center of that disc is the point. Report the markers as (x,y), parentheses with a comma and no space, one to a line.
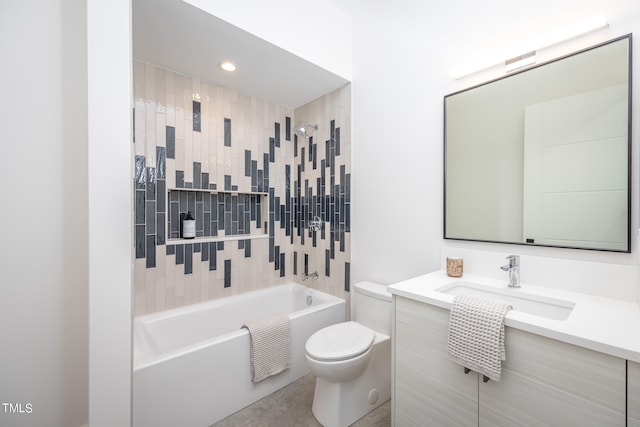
(176,36)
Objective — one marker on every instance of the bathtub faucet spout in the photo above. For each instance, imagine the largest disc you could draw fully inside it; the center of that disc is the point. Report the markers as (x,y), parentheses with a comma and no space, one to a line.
(313,276)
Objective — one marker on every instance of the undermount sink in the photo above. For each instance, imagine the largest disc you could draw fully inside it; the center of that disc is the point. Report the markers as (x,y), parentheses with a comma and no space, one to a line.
(539,305)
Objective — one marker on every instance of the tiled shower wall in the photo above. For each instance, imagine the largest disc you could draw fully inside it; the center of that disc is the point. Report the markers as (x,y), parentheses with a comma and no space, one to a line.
(262,186)
(323,189)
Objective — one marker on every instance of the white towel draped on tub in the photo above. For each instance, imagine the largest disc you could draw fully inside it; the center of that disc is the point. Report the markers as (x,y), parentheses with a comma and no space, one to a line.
(476,334)
(270,346)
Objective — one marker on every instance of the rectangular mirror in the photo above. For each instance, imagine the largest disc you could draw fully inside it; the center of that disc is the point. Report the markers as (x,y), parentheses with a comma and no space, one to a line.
(542,156)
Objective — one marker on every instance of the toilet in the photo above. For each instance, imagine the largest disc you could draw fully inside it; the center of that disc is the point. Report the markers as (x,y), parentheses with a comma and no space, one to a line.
(352,360)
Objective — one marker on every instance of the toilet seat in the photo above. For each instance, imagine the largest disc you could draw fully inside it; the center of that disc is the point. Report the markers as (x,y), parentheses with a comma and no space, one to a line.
(340,342)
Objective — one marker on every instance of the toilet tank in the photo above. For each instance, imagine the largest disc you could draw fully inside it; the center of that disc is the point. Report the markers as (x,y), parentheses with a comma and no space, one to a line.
(372,306)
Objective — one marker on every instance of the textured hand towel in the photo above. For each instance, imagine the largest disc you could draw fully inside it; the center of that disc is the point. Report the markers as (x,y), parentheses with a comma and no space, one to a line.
(476,334)
(270,346)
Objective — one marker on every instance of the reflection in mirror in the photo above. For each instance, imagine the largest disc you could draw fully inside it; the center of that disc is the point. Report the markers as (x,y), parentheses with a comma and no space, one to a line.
(542,157)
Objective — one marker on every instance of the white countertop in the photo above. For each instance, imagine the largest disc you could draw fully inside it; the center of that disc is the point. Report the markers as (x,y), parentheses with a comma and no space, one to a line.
(601,324)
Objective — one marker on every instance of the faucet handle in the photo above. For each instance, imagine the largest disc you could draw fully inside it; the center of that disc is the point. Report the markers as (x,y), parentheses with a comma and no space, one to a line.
(513,260)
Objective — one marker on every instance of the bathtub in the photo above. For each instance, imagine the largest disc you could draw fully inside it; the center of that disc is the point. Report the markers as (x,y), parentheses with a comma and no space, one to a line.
(191,364)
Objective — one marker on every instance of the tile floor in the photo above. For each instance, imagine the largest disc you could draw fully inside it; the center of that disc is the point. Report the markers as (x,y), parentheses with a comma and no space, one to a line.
(291,407)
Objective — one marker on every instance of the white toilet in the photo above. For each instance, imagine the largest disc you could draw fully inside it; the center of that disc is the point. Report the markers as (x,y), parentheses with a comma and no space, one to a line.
(352,360)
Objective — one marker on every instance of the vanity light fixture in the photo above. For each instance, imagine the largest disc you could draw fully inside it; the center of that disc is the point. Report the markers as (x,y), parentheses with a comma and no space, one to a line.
(227,66)
(520,61)
(552,38)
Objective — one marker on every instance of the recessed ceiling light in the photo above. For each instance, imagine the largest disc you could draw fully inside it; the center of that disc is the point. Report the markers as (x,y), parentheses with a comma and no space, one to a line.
(227,66)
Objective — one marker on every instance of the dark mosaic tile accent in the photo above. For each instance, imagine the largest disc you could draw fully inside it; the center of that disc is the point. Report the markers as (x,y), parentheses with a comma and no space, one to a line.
(213,256)
(272,150)
(191,205)
(327,263)
(314,156)
(287,128)
(282,266)
(151,217)
(179,254)
(347,276)
(295,263)
(188,259)
(247,163)
(227,132)
(141,242)
(161,155)
(160,226)
(196,117)
(227,273)
(151,184)
(264,183)
(161,192)
(197,175)
(140,207)
(140,173)
(151,251)
(171,142)
(204,253)
(272,249)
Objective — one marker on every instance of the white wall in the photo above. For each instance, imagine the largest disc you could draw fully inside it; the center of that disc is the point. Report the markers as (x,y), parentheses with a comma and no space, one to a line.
(398,121)
(43,170)
(54,231)
(110,211)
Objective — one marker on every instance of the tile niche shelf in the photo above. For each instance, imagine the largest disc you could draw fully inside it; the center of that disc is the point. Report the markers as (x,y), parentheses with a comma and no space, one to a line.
(221,215)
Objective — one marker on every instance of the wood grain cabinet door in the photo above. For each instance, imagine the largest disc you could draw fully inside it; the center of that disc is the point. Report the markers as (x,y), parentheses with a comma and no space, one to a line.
(430,389)
(547,382)
(633,394)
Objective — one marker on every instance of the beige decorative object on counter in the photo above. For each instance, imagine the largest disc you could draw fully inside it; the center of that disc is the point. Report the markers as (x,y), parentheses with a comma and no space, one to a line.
(454,267)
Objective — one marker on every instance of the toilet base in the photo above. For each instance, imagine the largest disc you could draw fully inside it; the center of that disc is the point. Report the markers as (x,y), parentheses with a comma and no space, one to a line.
(341,404)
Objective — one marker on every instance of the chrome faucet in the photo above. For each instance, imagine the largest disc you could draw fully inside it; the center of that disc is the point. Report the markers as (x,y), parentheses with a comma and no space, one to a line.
(514,270)
(306,276)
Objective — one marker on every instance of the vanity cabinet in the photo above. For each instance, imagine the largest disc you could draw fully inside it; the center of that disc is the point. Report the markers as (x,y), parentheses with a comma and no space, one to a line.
(544,382)
(633,394)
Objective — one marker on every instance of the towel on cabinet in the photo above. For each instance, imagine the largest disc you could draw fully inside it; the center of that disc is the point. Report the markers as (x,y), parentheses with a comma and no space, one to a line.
(476,334)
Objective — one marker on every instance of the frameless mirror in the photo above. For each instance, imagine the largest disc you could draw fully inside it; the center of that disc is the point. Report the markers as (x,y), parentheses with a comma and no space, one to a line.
(542,157)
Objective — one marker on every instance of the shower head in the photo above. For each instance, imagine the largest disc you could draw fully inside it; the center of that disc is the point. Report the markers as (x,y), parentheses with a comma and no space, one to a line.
(305,131)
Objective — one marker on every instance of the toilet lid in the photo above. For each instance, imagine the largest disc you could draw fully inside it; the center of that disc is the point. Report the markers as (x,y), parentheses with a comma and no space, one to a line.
(340,341)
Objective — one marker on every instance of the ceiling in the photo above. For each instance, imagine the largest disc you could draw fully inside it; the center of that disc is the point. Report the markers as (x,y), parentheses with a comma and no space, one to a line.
(176,36)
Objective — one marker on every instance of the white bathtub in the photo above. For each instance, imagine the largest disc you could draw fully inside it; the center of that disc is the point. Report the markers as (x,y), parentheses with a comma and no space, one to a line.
(191,364)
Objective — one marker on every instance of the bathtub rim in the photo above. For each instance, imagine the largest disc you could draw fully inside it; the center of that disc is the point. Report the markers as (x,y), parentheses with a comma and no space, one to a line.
(145,359)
